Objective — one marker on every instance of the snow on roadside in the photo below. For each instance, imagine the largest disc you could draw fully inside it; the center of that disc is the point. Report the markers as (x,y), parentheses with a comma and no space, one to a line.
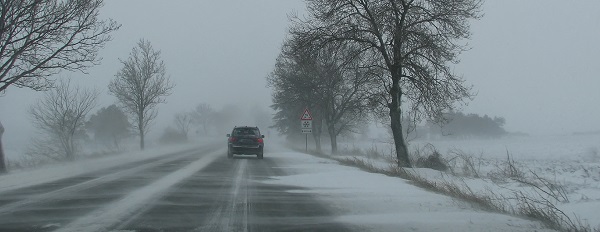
(25,178)
(380,203)
(570,165)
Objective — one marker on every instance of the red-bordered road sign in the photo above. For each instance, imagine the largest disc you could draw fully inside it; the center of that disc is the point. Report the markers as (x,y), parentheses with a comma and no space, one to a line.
(306,115)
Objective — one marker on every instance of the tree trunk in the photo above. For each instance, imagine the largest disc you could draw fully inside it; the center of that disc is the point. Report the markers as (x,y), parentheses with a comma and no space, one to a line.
(64,142)
(141,139)
(334,148)
(317,129)
(396,123)
(116,142)
(141,128)
(317,138)
(332,138)
(3,168)
(73,147)
(69,150)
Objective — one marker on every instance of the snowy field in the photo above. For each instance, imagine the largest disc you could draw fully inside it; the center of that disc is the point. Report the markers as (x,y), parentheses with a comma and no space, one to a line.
(555,171)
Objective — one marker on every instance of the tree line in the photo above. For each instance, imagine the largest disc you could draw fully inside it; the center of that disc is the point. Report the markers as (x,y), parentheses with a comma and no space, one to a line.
(462,126)
(41,38)
(61,115)
(206,121)
(349,60)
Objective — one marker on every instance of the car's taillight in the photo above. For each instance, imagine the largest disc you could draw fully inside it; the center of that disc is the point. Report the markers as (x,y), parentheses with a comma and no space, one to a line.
(259,140)
(231,139)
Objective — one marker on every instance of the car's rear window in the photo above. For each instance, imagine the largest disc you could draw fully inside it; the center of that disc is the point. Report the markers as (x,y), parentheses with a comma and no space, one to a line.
(245,131)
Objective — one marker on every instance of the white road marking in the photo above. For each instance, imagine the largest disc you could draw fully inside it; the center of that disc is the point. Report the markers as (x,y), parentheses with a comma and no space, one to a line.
(105,218)
(9,208)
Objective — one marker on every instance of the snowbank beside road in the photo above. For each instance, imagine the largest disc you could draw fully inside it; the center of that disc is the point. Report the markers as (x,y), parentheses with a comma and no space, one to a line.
(377,202)
(556,174)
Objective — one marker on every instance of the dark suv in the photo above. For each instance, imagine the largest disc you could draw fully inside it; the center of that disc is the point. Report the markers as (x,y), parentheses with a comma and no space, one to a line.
(245,140)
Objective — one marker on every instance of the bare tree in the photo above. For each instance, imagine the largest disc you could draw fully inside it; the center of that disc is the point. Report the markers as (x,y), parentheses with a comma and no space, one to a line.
(329,79)
(39,38)
(296,85)
(61,115)
(414,41)
(346,89)
(183,121)
(2,160)
(141,85)
(262,119)
(203,115)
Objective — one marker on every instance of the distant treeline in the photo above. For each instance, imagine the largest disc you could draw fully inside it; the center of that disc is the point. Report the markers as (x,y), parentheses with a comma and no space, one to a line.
(460,125)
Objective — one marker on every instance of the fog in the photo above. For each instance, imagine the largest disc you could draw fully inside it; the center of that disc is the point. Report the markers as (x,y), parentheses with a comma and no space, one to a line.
(535,63)
(532,62)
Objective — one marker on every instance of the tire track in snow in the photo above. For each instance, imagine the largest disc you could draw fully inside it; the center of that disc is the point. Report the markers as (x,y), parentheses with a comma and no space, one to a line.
(232,216)
(12,207)
(239,201)
(47,175)
(115,213)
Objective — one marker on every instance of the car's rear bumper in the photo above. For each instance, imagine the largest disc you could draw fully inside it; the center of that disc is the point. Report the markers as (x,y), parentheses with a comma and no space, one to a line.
(246,149)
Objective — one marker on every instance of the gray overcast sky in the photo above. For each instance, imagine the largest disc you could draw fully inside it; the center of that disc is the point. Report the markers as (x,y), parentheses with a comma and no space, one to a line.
(534,62)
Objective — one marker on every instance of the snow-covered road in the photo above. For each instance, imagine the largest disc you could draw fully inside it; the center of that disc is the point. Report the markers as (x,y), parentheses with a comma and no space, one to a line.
(199,189)
(194,189)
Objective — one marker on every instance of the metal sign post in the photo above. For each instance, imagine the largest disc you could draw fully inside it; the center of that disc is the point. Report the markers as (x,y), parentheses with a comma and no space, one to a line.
(306,126)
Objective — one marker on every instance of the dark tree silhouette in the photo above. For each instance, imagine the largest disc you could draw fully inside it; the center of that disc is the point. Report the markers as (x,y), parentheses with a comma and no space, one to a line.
(413,41)
(61,114)
(2,160)
(141,85)
(39,38)
(109,125)
(183,121)
(329,80)
(461,125)
(203,115)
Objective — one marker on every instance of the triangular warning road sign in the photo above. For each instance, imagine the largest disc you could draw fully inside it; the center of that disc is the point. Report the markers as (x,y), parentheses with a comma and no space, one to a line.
(306,115)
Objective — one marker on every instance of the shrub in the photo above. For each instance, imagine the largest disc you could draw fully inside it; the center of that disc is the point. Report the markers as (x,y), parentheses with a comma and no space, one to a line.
(433,161)
(463,164)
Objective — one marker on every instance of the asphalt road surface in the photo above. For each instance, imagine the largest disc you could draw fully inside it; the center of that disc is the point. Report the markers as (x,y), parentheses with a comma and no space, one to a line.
(194,190)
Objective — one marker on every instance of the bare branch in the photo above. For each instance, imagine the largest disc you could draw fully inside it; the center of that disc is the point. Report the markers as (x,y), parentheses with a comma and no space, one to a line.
(141,85)
(411,41)
(183,121)
(61,115)
(40,38)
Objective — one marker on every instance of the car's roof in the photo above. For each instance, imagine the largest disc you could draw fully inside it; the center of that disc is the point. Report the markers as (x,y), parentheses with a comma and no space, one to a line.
(245,127)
